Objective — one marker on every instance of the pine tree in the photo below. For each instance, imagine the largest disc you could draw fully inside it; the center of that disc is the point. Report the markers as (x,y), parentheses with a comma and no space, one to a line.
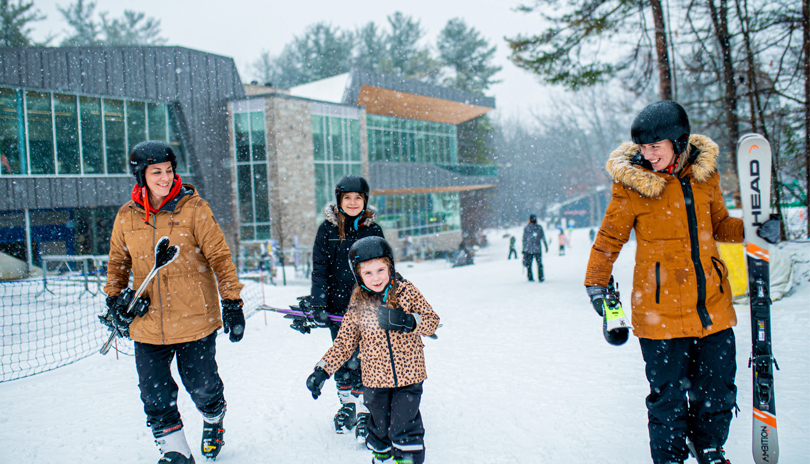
(14,20)
(468,55)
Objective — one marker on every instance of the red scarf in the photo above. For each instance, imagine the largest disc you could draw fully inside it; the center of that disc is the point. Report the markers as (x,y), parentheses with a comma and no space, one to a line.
(140,195)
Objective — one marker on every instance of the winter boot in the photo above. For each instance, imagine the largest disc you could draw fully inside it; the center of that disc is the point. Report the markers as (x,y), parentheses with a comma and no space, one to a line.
(404,459)
(345,418)
(381,458)
(712,455)
(363,418)
(212,435)
(173,445)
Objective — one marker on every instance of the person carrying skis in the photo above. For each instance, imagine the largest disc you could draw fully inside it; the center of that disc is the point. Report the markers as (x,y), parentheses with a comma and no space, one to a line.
(666,188)
(533,237)
(387,317)
(184,307)
(347,221)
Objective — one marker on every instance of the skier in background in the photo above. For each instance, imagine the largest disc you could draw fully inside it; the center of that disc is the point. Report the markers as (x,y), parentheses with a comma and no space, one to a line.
(347,221)
(387,319)
(512,250)
(184,313)
(561,240)
(666,188)
(533,237)
(592,234)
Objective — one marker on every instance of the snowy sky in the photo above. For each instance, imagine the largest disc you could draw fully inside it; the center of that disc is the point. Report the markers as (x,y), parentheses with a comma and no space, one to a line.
(243,28)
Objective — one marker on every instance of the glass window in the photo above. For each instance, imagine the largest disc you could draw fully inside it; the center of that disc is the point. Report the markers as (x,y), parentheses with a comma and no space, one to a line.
(40,132)
(354,139)
(411,146)
(263,232)
(12,133)
(92,143)
(395,147)
(245,191)
(157,121)
(242,136)
(261,192)
(66,122)
(115,144)
(336,134)
(247,233)
(176,140)
(257,140)
(318,148)
(136,124)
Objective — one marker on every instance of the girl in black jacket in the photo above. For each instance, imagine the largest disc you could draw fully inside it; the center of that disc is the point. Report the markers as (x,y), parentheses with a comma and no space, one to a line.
(347,221)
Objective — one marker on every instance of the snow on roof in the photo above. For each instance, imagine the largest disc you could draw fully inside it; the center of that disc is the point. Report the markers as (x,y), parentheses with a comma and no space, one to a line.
(330,89)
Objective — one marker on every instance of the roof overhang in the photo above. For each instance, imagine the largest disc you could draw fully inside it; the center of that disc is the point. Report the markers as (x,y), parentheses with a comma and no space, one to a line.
(388,102)
(407,191)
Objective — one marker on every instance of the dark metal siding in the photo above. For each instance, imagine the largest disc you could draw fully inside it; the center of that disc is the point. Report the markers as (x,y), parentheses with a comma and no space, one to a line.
(198,83)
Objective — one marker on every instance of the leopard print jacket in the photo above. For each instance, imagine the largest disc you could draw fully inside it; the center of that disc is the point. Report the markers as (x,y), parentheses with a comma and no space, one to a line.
(388,359)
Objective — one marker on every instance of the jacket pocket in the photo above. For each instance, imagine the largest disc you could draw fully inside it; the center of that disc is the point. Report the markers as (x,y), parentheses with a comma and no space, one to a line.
(717,263)
(658,282)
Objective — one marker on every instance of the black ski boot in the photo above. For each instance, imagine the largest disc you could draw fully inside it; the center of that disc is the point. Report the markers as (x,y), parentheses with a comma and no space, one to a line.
(212,439)
(708,455)
(345,418)
(173,457)
(362,427)
(172,444)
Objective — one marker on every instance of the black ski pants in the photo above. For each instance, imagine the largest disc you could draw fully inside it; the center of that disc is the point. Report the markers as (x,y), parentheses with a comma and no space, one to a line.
(396,423)
(348,377)
(692,392)
(512,251)
(197,365)
(528,263)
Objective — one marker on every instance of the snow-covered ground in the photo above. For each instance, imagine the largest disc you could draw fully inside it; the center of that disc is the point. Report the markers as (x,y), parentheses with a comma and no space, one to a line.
(520,374)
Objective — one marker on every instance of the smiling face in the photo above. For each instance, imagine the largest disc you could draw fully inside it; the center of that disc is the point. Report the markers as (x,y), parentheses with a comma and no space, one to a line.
(159,178)
(375,274)
(352,203)
(659,154)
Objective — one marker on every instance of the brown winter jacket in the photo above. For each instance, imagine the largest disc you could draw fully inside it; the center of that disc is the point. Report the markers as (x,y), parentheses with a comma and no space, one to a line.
(184,304)
(388,359)
(680,284)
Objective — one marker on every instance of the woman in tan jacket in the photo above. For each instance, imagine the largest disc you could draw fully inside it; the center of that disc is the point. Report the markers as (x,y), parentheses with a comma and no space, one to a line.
(666,189)
(184,309)
(387,319)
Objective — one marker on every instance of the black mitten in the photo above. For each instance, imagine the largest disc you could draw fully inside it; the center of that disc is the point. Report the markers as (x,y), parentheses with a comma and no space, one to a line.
(316,380)
(395,319)
(598,296)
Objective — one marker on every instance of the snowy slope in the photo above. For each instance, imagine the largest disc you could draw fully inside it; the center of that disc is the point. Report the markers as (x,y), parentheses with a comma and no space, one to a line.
(520,374)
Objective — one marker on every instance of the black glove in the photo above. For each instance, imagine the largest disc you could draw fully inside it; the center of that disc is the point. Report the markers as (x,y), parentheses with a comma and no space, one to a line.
(598,296)
(395,319)
(117,316)
(233,319)
(769,230)
(321,316)
(316,380)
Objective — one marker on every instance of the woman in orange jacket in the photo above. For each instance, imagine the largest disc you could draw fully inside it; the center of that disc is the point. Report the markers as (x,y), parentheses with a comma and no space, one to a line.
(666,188)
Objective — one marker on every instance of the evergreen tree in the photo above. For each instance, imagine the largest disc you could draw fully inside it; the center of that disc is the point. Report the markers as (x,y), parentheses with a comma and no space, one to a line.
(133,28)
(406,57)
(79,16)
(370,49)
(468,55)
(14,20)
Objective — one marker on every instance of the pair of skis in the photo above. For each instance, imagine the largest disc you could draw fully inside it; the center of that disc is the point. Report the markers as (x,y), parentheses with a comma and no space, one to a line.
(754,169)
(164,254)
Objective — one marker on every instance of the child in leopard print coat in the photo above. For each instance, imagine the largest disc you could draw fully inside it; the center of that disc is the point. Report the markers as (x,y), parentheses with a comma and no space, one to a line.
(387,317)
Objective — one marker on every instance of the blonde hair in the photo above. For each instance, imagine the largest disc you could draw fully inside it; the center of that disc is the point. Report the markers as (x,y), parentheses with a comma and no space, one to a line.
(361,295)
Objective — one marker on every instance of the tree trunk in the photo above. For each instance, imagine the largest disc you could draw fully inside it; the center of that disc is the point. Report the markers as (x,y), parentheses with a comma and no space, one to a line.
(662,51)
(720,21)
(806,46)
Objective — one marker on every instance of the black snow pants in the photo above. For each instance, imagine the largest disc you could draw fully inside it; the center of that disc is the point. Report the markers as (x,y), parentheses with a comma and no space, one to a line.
(198,370)
(528,263)
(692,393)
(396,423)
(348,377)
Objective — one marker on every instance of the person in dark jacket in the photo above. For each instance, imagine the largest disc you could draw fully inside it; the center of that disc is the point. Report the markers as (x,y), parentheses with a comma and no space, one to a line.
(346,222)
(533,237)
(512,250)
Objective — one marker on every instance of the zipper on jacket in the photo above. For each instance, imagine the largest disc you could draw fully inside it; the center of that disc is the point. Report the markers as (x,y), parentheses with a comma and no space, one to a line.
(719,274)
(700,277)
(157,278)
(657,282)
(391,353)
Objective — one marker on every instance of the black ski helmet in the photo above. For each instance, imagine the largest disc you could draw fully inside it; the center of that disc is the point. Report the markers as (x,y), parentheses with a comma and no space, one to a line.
(662,120)
(147,153)
(369,248)
(351,183)
(532,218)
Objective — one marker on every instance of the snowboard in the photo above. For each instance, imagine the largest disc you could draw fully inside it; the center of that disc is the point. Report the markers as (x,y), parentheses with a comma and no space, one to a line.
(754,169)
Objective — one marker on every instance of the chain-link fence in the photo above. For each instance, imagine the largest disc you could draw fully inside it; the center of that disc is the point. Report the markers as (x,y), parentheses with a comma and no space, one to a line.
(49,323)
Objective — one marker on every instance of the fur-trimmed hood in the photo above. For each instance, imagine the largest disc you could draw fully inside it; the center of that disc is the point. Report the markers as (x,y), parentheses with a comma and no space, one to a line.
(330,214)
(650,183)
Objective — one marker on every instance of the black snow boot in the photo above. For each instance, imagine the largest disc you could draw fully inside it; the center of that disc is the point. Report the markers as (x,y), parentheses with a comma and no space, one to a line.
(345,418)
(212,439)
